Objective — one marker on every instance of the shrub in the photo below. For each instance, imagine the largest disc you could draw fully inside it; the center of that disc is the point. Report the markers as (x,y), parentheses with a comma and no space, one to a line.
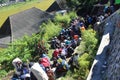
(51,30)
(2,73)
(87,50)
(72,15)
(65,19)
(84,66)
(26,46)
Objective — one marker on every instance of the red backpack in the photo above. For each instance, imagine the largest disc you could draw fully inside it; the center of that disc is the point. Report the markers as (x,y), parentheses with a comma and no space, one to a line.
(45,62)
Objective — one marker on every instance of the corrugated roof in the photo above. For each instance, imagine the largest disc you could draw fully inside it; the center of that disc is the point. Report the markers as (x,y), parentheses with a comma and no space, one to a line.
(24,23)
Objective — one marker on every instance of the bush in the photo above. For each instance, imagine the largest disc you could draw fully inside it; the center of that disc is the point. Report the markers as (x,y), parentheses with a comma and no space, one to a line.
(87,50)
(2,73)
(72,15)
(84,67)
(26,46)
(65,19)
(51,30)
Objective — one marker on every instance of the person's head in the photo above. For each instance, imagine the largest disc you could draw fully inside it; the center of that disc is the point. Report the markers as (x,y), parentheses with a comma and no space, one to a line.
(76,37)
(19,63)
(55,37)
(43,55)
(31,64)
(40,59)
(60,50)
(61,33)
(76,54)
(27,78)
(24,64)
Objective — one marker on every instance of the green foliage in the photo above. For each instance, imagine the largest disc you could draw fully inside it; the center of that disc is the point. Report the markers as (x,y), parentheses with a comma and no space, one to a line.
(88,48)
(51,30)
(72,15)
(26,46)
(90,39)
(23,49)
(2,73)
(65,19)
(75,3)
(84,66)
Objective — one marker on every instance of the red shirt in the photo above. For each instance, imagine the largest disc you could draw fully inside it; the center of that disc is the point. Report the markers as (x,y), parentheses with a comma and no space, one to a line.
(45,62)
(56,53)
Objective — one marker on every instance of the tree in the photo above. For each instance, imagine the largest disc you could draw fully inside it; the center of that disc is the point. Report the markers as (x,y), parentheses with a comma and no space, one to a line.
(77,3)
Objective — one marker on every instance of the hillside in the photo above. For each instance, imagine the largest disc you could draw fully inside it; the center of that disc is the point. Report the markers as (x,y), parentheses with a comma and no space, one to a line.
(15,8)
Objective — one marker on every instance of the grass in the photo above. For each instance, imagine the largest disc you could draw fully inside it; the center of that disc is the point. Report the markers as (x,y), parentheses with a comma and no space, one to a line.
(15,8)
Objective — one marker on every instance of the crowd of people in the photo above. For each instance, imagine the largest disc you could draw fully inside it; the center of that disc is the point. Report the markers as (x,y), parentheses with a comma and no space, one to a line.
(64,45)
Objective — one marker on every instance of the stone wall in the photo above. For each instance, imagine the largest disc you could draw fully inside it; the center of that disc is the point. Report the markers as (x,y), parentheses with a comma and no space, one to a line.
(106,64)
(113,62)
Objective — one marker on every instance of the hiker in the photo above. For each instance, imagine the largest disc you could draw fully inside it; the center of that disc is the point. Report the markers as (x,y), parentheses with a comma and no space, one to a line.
(45,56)
(50,74)
(53,44)
(56,53)
(67,33)
(57,42)
(54,62)
(82,28)
(112,2)
(70,51)
(70,33)
(75,29)
(22,70)
(74,62)
(61,37)
(17,63)
(75,42)
(46,66)
(44,63)
(89,19)
(25,72)
(63,53)
(112,8)
(62,67)
(100,18)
